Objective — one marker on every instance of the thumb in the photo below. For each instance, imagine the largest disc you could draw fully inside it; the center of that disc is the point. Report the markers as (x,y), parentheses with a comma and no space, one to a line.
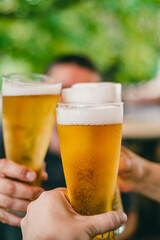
(102,223)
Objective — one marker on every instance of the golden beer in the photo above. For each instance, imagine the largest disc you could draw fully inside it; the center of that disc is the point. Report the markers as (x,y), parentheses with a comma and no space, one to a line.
(28,119)
(90,156)
(90,140)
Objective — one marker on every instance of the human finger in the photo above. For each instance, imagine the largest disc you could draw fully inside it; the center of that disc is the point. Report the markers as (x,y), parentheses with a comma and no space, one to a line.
(9,218)
(13,170)
(19,190)
(13,203)
(102,223)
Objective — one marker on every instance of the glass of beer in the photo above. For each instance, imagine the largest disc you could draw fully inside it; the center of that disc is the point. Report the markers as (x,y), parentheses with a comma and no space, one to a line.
(91,93)
(29,109)
(90,141)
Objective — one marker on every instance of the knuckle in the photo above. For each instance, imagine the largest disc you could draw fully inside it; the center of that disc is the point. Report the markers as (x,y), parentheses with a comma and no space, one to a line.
(113,219)
(22,172)
(10,187)
(44,195)
(56,192)
(29,207)
(33,192)
(6,202)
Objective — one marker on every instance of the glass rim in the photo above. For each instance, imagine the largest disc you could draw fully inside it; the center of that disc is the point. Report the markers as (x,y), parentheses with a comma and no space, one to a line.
(88,104)
(82,88)
(8,78)
(93,93)
(94,84)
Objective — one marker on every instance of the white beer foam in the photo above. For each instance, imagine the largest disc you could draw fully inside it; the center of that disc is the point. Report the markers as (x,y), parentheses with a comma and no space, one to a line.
(95,84)
(20,89)
(90,115)
(93,93)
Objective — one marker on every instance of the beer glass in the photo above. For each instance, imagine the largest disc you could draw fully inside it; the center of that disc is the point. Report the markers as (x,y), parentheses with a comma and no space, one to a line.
(97,92)
(90,141)
(29,109)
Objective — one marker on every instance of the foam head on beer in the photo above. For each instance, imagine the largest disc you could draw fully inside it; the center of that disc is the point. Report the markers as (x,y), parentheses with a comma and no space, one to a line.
(95,84)
(20,89)
(89,114)
(90,140)
(93,92)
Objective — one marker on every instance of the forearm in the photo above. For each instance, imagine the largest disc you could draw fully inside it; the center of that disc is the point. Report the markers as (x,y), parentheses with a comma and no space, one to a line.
(149,184)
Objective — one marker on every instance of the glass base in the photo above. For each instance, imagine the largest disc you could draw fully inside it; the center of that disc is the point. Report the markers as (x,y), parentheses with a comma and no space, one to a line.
(120,230)
(117,206)
(20,214)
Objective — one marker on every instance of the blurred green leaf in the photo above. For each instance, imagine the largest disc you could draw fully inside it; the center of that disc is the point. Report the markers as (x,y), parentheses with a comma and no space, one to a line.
(121,37)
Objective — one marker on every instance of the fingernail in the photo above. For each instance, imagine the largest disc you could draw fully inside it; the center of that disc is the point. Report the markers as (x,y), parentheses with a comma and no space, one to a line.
(30,176)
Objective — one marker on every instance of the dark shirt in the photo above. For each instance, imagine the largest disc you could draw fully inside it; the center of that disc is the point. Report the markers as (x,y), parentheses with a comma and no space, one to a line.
(55,172)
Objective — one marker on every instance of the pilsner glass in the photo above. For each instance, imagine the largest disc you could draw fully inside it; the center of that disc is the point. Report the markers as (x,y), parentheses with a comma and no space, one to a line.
(90,141)
(97,92)
(29,109)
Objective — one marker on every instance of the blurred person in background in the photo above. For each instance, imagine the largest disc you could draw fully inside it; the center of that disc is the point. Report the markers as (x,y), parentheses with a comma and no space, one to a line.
(70,69)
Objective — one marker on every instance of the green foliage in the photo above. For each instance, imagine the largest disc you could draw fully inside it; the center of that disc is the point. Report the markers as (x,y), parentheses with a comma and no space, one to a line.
(121,37)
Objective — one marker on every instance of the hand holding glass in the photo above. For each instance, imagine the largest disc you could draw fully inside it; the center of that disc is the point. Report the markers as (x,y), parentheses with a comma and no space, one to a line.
(90,140)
